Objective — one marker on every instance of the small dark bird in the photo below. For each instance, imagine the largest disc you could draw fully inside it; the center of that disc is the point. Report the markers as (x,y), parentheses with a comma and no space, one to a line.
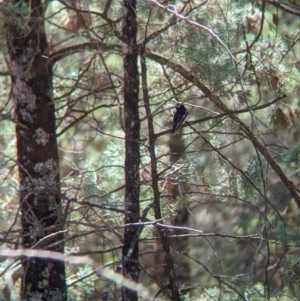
(179,117)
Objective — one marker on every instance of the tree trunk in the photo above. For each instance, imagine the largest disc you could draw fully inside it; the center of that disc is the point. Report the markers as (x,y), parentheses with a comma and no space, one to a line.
(180,244)
(132,149)
(37,156)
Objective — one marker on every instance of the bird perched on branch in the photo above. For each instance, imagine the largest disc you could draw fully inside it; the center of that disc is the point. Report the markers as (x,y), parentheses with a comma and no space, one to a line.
(179,117)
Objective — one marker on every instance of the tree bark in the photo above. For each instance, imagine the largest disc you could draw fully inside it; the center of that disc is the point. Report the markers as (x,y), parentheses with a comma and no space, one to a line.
(37,156)
(169,262)
(132,149)
(180,244)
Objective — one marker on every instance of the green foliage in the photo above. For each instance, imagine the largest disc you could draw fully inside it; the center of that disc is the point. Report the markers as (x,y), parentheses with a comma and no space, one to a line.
(16,14)
(214,293)
(286,234)
(291,274)
(200,51)
(84,283)
(256,293)
(227,186)
(253,178)
(8,179)
(272,67)
(292,156)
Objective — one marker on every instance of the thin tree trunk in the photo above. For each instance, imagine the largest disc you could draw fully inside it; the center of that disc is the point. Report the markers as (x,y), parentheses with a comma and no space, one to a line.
(132,156)
(168,258)
(180,244)
(37,156)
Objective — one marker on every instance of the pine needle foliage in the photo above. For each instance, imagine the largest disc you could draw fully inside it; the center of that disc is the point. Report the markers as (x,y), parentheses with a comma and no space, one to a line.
(16,13)
(287,235)
(254,172)
(293,154)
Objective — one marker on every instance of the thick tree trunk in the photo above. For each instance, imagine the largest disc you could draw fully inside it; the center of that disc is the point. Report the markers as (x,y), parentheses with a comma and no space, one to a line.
(37,155)
(132,156)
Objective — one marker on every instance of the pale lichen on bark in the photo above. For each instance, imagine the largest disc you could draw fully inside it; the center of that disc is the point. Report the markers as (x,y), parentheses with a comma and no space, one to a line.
(41,137)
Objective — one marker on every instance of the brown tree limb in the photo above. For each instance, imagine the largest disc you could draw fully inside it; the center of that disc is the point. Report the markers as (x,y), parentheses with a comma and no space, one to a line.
(62,53)
(287,6)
